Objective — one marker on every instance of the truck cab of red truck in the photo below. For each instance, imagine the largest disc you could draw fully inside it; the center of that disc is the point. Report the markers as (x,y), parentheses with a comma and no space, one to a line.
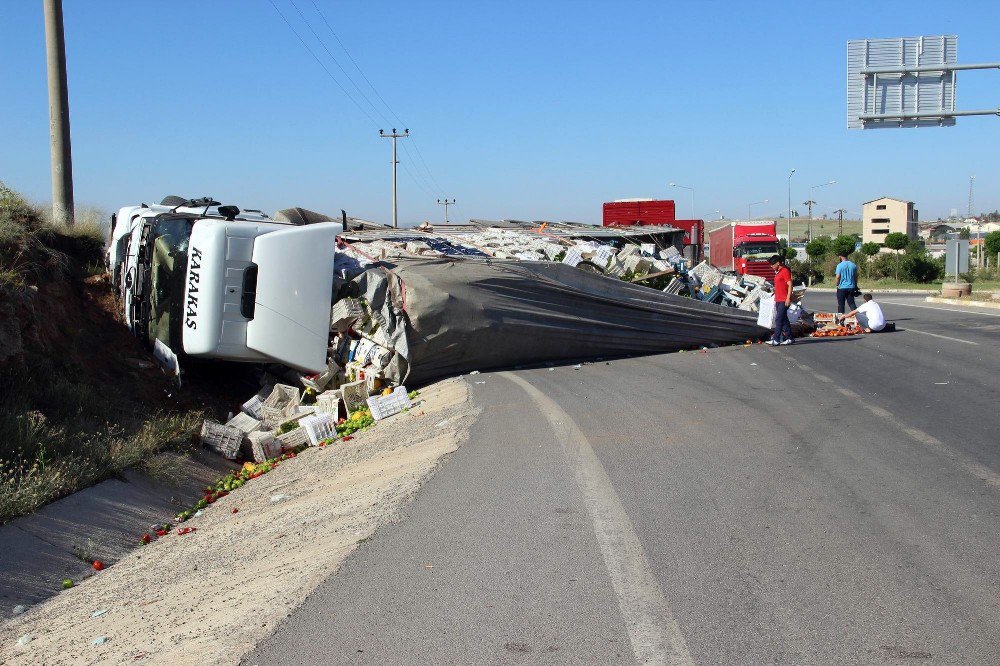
(744,248)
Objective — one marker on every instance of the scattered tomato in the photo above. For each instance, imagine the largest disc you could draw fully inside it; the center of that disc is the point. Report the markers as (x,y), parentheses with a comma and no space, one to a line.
(98,565)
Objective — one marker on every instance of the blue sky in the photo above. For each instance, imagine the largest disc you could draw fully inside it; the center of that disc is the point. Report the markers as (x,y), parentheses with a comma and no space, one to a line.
(527,110)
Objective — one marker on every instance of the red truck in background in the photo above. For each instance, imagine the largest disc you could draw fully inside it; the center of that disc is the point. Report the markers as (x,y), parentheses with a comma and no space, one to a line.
(744,248)
(645,212)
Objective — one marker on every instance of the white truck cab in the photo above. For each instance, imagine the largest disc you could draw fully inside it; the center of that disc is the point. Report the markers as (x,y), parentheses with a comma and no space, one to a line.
(200,279)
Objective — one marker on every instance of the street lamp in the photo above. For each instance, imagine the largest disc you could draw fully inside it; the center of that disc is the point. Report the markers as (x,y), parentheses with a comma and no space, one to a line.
(751,205)
(685,187)
(717,212)
(788,227)
(811,202)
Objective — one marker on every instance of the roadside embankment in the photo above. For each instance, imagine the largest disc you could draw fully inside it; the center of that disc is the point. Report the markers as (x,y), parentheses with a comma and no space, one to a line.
(208,596)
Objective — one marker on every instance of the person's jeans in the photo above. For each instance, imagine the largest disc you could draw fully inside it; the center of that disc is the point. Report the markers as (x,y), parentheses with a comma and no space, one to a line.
(782,326)
(845,295)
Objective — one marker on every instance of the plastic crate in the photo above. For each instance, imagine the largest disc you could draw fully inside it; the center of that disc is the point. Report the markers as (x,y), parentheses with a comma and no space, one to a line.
(573,257)
(283,401)
(244,423)
(344,313)
(293,438)
(328,402)
(252,407)
(383,406)
(355,395)
(319,427)
(263,445)
(222,439)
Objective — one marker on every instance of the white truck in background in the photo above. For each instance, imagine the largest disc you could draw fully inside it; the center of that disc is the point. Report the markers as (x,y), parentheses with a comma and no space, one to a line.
(212,281)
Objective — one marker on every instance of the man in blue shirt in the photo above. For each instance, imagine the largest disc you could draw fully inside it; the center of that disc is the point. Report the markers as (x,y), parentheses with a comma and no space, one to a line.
(847,283)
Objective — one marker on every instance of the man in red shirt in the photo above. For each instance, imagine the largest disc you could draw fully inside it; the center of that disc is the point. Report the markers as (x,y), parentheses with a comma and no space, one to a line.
(782,300)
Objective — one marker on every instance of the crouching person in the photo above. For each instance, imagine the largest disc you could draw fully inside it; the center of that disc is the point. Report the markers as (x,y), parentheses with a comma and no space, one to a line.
(874,319)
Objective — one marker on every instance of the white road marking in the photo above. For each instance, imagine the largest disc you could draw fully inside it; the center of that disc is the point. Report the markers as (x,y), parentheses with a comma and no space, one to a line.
(971,466)
(936,335)
(656,637)
(931,307)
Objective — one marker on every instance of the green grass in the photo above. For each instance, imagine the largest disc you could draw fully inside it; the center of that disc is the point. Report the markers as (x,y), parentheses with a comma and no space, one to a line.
(60,431)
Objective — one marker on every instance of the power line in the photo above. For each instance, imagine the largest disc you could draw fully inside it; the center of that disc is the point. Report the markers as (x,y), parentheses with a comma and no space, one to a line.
(321,64)
(371,85)
(422,184)
(337,62)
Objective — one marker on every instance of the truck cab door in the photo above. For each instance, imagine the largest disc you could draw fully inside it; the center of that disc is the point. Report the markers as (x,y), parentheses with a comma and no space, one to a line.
(289,306)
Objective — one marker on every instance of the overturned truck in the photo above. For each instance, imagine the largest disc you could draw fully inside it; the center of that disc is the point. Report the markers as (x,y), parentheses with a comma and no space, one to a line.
(198,279)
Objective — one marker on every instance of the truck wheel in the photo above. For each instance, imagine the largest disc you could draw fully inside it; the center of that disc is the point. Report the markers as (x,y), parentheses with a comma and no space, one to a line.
(173,200)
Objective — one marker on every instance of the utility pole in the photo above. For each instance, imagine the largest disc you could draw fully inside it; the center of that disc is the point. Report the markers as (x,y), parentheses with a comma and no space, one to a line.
(59,141)
(394,136)
(809,205)
(446,203)
(840,221)
(979,227)
(789,221)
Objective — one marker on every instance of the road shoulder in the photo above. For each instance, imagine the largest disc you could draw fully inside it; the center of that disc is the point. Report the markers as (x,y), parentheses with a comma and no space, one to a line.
(210,596)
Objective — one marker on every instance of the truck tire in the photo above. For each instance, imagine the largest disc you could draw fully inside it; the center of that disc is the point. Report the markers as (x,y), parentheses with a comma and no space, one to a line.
(172,200)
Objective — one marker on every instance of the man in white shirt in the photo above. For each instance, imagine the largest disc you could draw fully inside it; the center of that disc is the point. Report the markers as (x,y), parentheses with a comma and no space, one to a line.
(874,319)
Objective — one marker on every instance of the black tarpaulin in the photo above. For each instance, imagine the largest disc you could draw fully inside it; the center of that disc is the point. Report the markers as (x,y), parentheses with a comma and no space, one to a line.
(445,316)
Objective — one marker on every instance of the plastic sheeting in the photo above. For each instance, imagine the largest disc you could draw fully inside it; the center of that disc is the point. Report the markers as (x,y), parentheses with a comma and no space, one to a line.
(446,316)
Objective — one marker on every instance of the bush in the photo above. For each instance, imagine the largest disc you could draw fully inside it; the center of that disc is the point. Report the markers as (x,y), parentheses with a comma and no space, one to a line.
(844,245)
(991,244)
(870,249)
(818,247)
(920,268)
(897,240)
(803,270)
(882,266)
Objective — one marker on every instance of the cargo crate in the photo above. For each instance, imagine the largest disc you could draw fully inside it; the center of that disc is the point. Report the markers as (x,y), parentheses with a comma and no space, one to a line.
(263,445)
(319,427)
(344,313)
(293,438)
(222,439)
(244,423)
(283,401)
(383,406)
(328,402)
(355,395)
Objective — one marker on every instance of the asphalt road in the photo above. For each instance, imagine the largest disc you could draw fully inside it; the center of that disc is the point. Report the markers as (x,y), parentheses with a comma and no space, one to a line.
(833,502)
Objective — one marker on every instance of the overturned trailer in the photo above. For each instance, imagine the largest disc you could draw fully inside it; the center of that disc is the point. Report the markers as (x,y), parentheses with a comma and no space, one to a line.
(434,317)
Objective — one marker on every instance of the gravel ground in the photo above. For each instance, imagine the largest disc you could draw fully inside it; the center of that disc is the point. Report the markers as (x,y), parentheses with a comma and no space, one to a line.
(212,595)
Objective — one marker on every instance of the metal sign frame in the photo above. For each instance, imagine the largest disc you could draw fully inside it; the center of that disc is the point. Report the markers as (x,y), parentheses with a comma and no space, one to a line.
(905,82)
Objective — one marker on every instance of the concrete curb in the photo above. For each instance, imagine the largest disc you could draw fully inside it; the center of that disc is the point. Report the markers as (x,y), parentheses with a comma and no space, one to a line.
(962,301)
(827,290)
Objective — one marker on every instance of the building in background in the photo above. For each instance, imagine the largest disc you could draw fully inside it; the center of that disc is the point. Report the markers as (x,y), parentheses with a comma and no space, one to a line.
(884,216)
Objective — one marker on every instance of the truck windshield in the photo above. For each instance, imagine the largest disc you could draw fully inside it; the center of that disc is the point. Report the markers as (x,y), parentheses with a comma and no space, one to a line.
(762,251)
(168,268)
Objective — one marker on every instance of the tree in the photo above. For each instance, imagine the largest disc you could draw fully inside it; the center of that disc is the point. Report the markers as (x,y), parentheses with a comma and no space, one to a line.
(844,245)
(964,233)
(869,250)
(897,241)
(818,248)
(991,244)
(788,253)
